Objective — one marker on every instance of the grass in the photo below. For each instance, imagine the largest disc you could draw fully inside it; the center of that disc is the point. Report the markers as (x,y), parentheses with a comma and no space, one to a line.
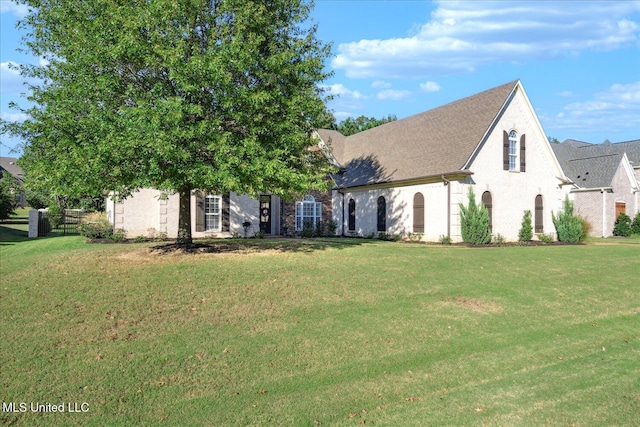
(321,332)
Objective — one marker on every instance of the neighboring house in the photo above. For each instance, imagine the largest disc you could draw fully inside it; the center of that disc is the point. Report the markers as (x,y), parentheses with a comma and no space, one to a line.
(10,166)
(405,176)
(606,180)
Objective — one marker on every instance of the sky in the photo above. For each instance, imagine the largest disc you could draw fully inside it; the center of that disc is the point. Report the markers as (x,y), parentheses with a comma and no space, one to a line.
(579,61)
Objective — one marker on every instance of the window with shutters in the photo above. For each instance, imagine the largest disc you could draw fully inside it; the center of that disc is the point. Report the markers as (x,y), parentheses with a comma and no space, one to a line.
(213,213)
(352,215)
(382,214)
(538,217)
(488,203)
(418,213)
(308,213)
(514,151)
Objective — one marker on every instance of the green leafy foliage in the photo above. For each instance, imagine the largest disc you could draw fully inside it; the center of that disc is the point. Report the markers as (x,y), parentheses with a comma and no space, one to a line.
(474,221)
(635,225)
(97,226)
(7,197)
(622,226)
(220,96)
(351,126)
(570,227)
(526,230)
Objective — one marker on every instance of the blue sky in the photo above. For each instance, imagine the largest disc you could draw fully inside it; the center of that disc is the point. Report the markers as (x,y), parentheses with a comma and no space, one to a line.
(579,61)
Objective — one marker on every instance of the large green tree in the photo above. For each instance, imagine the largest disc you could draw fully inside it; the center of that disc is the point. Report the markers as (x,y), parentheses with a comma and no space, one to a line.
(350,126)
(220,95)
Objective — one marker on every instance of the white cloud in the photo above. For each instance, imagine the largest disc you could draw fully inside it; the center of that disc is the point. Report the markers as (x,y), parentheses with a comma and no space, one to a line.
(393,95)
(341,90)
(8,68)
(381,84)
(566,94)
(7,6)
(463,35)
(611,110)
(13,117)
(429,87)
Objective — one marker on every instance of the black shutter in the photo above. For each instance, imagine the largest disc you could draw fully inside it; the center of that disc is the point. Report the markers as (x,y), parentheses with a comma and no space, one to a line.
(352,215)
(523,162)
(538,217)
(382,214)
(505,150)
(226,212)
(199,211)
(418,213)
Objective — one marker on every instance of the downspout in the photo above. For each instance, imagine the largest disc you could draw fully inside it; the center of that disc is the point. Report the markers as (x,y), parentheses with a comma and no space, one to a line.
(342,209)
(604,210)
(446,184)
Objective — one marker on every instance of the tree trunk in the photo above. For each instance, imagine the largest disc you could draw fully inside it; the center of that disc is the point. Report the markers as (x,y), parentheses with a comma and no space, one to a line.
(184,216)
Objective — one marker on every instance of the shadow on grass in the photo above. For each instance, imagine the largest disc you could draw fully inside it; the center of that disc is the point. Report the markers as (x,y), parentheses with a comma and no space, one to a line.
(10,235)
(245,246)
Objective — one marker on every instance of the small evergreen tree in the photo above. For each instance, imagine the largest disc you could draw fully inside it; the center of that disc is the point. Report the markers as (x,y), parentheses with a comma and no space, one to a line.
(7,198)
(622,226)
(526,231)
(568,225)
(635,225)
(474,221)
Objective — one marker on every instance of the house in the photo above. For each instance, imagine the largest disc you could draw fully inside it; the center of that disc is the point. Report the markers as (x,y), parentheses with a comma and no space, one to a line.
(406,176)
(411,175)
(10,166)
(606,180)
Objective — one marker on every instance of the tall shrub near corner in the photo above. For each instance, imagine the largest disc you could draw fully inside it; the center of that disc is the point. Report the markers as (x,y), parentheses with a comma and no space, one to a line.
(474,222)
(635,225)
(568,225)
(526,230)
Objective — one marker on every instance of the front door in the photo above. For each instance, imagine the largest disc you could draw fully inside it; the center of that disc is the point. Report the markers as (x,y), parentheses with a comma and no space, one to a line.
(265,214)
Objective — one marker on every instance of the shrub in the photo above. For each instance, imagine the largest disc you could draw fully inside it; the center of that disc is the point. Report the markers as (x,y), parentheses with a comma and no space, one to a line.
(474,221)
(118,235)
(445,240)
(260,235)
(414,237)
(526,231)
(568,225)
(308,230)
(545,238)
(499,239)
(622,226)
(96,226)
(635,225)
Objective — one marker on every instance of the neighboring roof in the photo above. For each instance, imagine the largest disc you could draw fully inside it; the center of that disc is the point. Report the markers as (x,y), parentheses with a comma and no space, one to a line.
(594,165)
(10,164)
(438,141)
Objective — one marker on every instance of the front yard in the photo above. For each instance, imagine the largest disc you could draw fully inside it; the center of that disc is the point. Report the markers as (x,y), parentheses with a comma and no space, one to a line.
(327,332)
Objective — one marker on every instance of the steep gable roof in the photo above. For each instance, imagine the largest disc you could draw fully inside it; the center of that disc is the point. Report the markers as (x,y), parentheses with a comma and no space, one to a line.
(438,141)
(594,165)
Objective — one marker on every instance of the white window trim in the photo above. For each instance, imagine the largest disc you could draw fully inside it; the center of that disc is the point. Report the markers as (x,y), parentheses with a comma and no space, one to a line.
(514,159)
(308,204)
(213,213)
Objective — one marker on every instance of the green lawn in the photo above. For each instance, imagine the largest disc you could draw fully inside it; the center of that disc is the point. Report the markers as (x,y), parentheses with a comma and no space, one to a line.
(329,332)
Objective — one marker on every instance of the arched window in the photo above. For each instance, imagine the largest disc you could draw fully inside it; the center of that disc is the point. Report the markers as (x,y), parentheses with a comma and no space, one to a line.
(488,203)
(382,214)
(418,213)
(539,221)
(352,215)
(514,151)
(308,213)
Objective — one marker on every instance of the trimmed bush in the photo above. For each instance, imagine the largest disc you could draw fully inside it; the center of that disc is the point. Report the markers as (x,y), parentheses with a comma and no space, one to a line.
(96,226)
(622,226)
(474,221)
(568,225)
(526,231)
(635,225)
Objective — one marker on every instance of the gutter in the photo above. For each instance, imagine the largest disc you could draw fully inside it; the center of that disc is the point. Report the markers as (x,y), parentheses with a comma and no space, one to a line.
(447,184)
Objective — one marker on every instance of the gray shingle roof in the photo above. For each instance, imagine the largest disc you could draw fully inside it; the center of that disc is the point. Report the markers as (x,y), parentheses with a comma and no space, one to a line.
(10,164)
(435,142)
(594,165)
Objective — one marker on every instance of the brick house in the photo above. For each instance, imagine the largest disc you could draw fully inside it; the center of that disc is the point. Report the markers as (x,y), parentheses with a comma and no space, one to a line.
(606,180)
(405,176)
